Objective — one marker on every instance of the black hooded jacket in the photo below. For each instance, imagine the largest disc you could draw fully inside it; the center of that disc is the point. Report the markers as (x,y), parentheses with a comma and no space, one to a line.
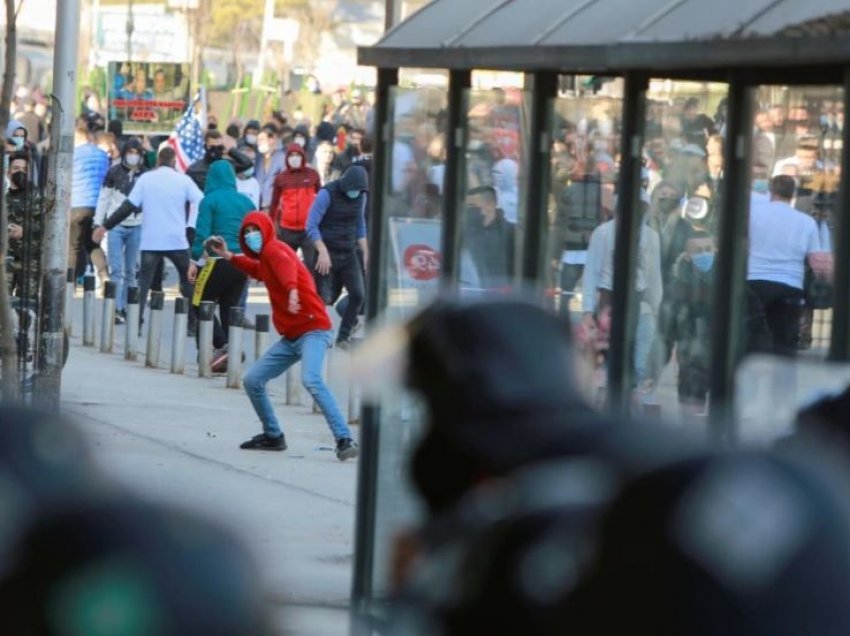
(118,182)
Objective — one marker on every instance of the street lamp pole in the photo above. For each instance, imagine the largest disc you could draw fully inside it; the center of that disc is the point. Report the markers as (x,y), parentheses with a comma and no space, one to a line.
(58,205)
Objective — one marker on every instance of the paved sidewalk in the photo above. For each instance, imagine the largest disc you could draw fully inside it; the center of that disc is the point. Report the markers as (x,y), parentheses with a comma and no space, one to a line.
(177,438)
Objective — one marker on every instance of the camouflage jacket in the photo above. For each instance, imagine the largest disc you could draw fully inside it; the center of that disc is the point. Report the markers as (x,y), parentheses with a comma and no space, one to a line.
(26,211)
(685,312)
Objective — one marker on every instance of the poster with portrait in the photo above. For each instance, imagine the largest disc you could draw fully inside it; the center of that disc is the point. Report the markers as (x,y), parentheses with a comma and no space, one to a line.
(148,97)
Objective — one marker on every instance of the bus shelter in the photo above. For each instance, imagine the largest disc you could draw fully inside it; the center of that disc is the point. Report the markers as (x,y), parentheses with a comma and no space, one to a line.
(667,116)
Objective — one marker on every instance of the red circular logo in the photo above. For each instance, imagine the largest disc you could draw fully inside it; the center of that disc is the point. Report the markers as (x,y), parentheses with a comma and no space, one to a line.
(422,262)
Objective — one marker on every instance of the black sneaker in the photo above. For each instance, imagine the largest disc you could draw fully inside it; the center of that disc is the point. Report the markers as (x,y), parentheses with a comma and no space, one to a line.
(265,442)
(119,318)
(344,343)
(346,449)
(219,361)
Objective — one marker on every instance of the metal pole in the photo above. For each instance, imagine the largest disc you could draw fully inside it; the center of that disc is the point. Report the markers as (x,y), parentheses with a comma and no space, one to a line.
(261,335)
(154,329)
(88,311)
(178,340)
(234,348)
(625,304)
(393,14)
(293,386)
(840,346)
(205,338)
(107,323)
(70,290)
(131,333)
(58,205)
(260,69)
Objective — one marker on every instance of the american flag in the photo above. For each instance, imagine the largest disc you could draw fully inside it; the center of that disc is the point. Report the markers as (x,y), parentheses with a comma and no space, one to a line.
(187,140)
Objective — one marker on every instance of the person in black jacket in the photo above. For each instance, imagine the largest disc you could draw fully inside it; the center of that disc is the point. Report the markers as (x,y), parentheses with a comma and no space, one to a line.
(213,151)
(489,238)
(123,241)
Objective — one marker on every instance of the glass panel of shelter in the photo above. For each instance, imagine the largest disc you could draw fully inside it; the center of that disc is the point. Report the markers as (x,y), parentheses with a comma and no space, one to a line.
(492,222)
(584,170)
(795,178)
(413,210)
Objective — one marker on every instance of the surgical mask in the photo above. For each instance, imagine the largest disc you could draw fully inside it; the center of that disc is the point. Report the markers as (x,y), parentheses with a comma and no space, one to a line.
(703,261)
(760,186)
(247,174)
(254,241)
(251,139)
(132,160)
(352,194)
(263,148)
(295,162)
(18,141)
(301,141)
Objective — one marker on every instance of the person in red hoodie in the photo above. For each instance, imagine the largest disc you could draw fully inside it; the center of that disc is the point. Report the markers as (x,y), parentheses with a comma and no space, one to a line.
(300,317)
(292,196)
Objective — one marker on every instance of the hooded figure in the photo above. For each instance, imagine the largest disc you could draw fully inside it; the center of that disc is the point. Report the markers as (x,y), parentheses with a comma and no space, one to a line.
(292,196)
(220,214)
(302,134)
(306,332)
(123,242)
(22,143)
(337,227)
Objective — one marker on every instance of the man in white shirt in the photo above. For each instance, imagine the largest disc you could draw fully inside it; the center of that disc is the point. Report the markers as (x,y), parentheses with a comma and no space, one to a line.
(169,201)
(781,239)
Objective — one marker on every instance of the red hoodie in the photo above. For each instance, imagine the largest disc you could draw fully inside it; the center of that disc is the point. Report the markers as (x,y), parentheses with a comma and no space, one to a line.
(293,193)
(282,271)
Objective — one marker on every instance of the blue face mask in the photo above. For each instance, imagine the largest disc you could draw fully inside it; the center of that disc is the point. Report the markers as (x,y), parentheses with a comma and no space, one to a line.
(254,241)
(760,186)
(247,174)
(352,194)
(703,261)
(18,141)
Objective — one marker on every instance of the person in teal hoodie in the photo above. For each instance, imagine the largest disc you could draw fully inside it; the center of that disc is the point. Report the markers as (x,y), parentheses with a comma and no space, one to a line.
(220,216)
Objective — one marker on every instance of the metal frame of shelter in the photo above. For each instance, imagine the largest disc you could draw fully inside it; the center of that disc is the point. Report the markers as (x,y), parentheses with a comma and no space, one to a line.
(741,54)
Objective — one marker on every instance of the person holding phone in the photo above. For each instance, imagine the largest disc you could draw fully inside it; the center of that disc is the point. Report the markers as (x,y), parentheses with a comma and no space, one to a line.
(299,315)
(219,219)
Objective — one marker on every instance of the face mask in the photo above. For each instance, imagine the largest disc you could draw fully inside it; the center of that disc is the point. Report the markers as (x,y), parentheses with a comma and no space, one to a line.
(668,204)
(247,174)
(352,194)
(19,180)
(18,141)
(254,241)
(251,140)
(760,186)
(132,160)
(703,261)
(295,162)
(264,148)
(215,153)
(300,141)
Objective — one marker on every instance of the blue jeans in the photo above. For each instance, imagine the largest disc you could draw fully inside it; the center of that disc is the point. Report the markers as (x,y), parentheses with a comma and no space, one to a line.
(310,349)
(123,245)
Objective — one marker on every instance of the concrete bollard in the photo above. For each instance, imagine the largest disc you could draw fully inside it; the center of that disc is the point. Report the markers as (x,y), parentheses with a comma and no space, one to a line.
(70,290)
(234,347)
(261,335)
(293,385)
(205,338)
(154,329)
(107,322)
(131,333)
(88,311)
(178,340)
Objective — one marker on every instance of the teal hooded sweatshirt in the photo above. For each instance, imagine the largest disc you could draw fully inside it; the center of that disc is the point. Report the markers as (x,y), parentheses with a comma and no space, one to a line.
(222,209)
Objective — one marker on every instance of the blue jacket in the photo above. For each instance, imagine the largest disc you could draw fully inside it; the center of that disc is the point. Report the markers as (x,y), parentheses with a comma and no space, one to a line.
(90,167)
(222,209)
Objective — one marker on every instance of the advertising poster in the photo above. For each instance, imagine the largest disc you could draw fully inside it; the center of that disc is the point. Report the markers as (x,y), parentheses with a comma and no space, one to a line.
(148,97)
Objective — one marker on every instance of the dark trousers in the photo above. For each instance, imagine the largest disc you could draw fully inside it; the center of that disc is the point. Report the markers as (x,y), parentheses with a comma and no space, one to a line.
(346,272)
(775,311)
(151,260)
(296,239)
(80,243)
(223,284)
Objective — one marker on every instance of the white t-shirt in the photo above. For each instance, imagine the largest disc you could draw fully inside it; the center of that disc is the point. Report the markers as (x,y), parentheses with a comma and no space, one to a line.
(250,187)
(780,239)
(163,194)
